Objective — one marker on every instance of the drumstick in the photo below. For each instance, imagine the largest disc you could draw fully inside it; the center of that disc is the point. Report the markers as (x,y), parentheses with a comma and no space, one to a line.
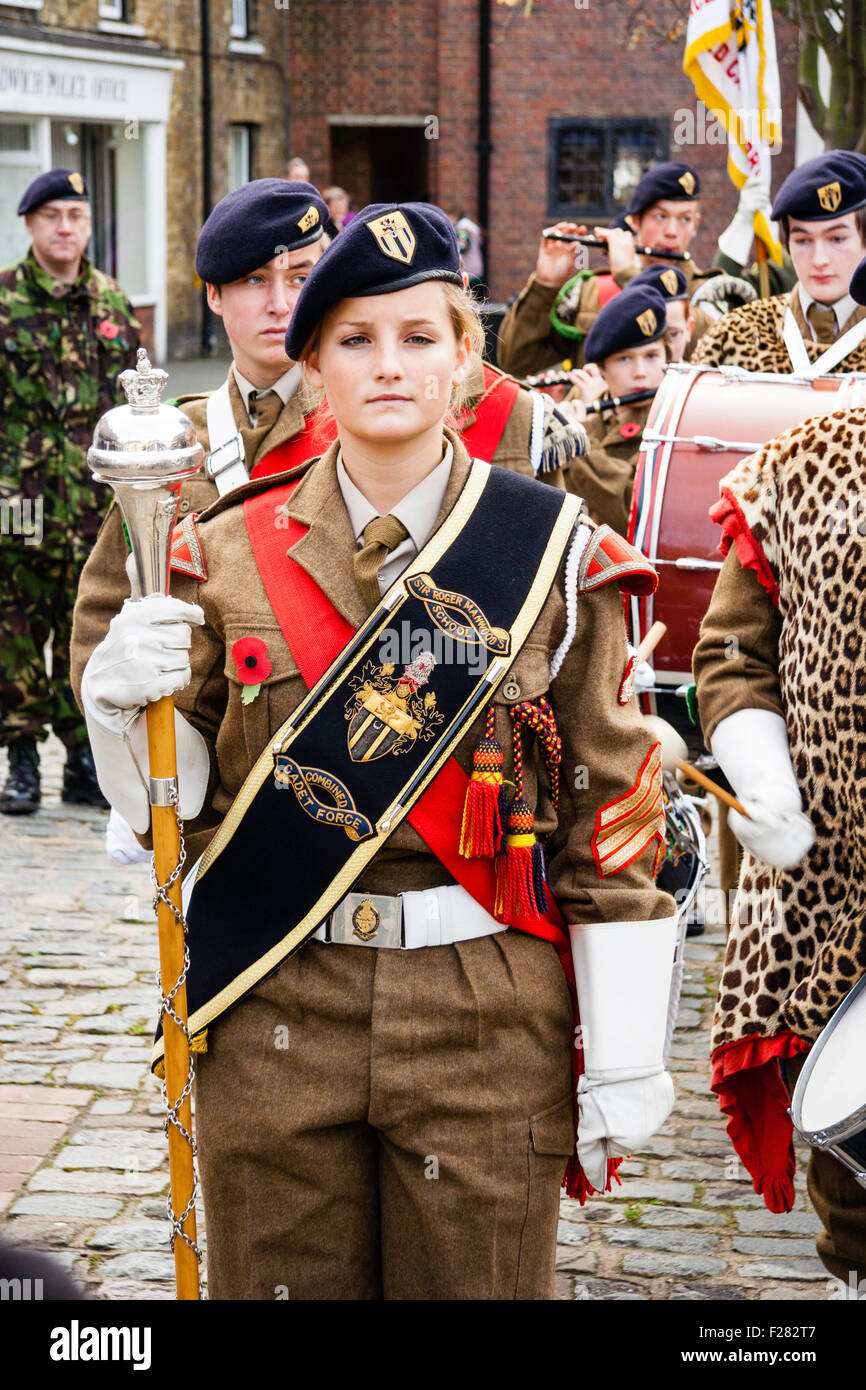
(673,748)
(651,641)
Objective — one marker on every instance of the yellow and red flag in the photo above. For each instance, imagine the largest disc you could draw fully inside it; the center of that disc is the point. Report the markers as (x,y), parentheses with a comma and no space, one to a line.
(731,59)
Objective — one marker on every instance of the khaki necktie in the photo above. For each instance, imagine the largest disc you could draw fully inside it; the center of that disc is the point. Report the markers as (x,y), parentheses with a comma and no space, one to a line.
(823,320)
(264,409)
(381,536)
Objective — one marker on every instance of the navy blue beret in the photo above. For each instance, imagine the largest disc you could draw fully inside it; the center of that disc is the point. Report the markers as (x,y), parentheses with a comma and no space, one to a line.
(387,247)
(669,280)
(677,182)
(256,222)
(829,185)
(632,319)
(857,288)
(57,183)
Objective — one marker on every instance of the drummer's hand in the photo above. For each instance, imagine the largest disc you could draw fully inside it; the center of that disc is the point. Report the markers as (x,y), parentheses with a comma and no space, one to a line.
(555,262)
(775,831)
(620,248)
(589,382)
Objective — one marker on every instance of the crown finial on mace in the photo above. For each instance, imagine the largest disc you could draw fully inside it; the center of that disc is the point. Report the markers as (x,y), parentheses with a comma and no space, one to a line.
(144,383)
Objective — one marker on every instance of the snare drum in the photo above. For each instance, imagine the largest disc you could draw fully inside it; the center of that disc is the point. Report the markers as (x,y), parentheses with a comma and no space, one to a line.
(828,1106)
(703,421)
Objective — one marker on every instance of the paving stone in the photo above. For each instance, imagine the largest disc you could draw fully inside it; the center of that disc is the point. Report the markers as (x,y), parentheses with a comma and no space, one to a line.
(133,1291)
(640,1262)
(113,1075)
(127,1137)
(100,1023)
(698,1109)
(571,1233)
(695,1085)
(708,1293)
(127,1160)
(688,1018)
(688,1051)
(138,1265)
(732,1197)
(132,1236)
(88,1208)
(695,953)
(687,1241)
(695,989)
(788,1269)
(111,976)
(21,1072)
(22,1036)
(787,1292)
(98,1183)
(578,1261)
(660,1148)
(56,1056)
(613,1290)
(786,1246)
(644,1190)
(679,1216)
(128,1053)
(111,1107)
(692,1170)
(13,998)
(800,1222)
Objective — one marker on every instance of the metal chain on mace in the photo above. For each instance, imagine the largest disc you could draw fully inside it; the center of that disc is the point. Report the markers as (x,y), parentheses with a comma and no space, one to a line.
(145,450)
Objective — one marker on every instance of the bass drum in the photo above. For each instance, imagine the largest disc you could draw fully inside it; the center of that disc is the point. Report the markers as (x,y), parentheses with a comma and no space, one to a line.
(704,420)
(828,1106)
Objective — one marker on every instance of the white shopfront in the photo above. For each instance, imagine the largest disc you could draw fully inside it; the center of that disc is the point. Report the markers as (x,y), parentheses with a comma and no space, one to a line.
(104,113)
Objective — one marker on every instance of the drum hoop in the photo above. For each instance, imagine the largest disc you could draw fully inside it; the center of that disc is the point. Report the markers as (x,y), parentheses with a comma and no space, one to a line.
(843,1129)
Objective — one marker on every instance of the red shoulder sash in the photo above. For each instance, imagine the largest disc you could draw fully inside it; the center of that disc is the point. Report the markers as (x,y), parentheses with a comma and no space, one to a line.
(482,437)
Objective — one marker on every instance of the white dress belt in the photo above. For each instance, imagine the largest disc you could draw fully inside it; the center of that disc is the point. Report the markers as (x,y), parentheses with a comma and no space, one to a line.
(431,917)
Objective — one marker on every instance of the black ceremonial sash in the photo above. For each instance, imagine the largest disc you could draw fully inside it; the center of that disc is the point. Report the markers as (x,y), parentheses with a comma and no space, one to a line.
(353,758)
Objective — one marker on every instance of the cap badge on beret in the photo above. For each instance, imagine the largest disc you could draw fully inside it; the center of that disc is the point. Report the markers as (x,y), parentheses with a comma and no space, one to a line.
(309,219)
(669,280)
(688,181)
(77,181)
(394,236)
(830,196)
(647,322)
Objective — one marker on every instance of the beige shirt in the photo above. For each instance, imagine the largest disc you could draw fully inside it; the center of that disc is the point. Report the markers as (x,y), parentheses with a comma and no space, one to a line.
(285,387)
(843,309)
(418,511)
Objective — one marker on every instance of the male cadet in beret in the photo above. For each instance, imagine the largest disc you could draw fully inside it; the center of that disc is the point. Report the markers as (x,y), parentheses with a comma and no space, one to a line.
(626,350)
(785,722)
(67,331)
(821,211)
(551,317)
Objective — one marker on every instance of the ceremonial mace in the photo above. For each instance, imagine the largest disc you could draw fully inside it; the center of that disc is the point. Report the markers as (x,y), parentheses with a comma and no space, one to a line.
(145,450)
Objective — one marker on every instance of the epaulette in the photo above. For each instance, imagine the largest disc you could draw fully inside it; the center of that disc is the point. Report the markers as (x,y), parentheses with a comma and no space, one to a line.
(609,557)
(187,556)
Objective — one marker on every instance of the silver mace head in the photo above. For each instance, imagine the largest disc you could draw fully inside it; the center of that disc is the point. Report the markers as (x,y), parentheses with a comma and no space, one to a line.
(144,450)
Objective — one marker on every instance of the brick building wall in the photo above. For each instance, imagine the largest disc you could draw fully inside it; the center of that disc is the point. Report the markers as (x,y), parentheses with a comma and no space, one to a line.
(375,58)
(249,88)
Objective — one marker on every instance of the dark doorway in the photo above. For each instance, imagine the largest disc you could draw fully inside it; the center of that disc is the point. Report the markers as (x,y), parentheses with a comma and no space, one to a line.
(380,164)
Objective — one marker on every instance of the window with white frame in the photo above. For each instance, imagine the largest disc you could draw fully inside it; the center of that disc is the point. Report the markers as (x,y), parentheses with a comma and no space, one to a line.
(240,155)
(21,159)
(118,10)
(240,28)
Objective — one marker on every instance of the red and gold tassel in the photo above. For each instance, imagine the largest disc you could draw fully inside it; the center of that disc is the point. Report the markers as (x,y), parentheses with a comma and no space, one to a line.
(482,829)
(520,872)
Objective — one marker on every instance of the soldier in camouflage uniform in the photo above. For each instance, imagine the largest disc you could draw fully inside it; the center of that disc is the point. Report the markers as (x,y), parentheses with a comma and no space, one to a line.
(66,331)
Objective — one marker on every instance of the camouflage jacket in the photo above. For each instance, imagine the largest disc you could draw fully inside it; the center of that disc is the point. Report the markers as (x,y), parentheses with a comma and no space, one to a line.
(62,349)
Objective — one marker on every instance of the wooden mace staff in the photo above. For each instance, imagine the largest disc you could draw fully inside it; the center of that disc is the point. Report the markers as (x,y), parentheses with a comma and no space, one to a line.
(144,451)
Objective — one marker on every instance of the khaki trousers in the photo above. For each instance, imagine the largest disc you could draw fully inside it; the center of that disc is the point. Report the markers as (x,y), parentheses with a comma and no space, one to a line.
(839,1201)
(382,1124)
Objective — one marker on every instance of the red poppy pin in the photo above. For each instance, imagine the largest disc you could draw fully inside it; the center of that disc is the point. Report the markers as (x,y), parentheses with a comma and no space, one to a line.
(629,429)
(108,329)
(250,656)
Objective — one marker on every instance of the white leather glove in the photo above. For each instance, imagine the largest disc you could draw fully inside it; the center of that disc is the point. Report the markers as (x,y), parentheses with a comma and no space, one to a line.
(751,748)
(623,972)
(736,240)
(144,656)
(120,843)
(617,1117)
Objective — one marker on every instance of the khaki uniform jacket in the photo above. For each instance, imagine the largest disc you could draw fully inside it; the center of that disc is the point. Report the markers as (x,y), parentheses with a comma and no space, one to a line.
(604,476)
(528,342)
(597,732)
(751,337)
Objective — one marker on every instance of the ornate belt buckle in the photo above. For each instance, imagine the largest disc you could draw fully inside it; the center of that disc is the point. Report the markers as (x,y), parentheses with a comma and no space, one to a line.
(368,919)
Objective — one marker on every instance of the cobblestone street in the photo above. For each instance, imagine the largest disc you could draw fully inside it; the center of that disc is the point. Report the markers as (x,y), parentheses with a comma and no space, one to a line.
(83,1160)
